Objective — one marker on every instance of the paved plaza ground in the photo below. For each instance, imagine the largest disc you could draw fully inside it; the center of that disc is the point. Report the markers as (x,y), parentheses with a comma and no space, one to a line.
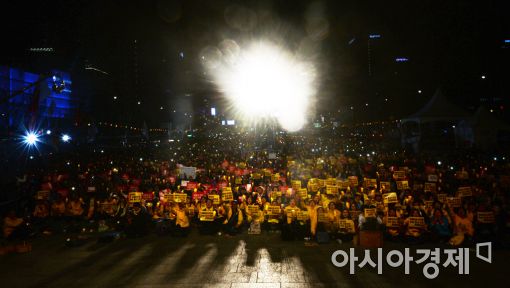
(220,261)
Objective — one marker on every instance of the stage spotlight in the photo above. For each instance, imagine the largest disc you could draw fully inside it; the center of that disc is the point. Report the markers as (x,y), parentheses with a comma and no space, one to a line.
(266,82)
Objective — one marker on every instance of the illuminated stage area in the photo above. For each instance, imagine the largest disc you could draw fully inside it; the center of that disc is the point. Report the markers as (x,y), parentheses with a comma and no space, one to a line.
(198,261)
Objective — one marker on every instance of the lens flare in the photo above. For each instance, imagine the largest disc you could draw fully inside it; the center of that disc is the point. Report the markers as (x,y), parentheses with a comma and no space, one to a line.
(266,82)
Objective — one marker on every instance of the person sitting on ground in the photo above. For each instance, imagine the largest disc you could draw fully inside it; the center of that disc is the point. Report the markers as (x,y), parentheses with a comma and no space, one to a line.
(233,220)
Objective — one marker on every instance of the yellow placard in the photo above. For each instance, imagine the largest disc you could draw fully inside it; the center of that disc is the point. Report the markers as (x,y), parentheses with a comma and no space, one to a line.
(322,217)
(464,192)
(330,189)
(330,181)
(252,209)
(441,198)
(389,198)
(314,187)
(215,198)
(135,197)
(206,215)
(454,202)
(256,176)
(275,177)
(296,185)
(370,212)
(226,194)
(302,215)
(430,187)
(402,185)
(353,180)
(43,195)
(416,222)
(385,185)
(399,175)
(370,182)
(239,181)
(392,222)
(486,217)
(347,224)
(179,197)
(273,210)
(303,193)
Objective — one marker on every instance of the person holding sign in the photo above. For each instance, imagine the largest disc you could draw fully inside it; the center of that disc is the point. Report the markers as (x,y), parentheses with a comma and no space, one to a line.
(440,226)
(208,225)
(462,226)
(233,220)
(333,216)
(415,227)
(393,225)
(181,220)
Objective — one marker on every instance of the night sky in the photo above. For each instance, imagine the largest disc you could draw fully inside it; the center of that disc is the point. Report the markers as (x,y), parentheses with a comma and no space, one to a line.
(449,44)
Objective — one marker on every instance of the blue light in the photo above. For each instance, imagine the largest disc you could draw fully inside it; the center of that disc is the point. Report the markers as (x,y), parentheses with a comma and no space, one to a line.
(66,138)
(374,36)
(30,139)
(401,59)
(48,132)
(507,40)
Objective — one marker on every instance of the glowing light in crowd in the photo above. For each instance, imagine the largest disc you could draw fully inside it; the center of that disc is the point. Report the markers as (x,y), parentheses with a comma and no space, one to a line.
(213,111)
(483,76)
(66,138)
(48,132)
(30,139)
(266,82)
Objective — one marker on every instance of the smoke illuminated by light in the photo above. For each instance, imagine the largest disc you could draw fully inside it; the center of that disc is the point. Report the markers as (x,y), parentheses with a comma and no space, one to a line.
(266,82)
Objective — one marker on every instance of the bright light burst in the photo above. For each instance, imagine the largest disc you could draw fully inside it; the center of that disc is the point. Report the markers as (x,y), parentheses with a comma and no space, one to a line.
(266,82)
(30,139)
(66,138)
